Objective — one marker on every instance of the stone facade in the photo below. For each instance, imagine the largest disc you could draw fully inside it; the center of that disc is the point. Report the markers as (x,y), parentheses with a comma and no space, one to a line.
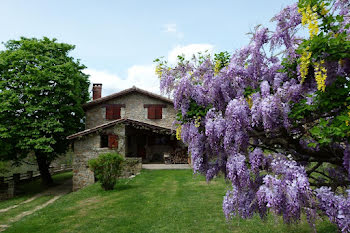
(134,109)
(88,147)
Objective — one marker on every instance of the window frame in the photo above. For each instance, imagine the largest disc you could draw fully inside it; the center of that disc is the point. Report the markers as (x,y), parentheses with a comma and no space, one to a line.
(110,141)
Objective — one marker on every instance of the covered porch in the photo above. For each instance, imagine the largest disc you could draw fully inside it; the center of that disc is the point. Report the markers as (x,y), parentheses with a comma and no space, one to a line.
(152,144)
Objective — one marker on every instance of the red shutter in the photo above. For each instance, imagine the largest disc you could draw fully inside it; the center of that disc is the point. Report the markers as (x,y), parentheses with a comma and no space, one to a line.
(112,112)
(112,141)
(116,112)
(109,112)
(151,112)
(158,112)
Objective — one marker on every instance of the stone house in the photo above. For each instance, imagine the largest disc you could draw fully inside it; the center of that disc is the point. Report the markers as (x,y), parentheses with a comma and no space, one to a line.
(134,122)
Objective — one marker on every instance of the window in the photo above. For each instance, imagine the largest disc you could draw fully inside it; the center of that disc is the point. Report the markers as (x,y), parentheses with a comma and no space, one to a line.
(110,141)
(104,141)
(154,111)
(113,111)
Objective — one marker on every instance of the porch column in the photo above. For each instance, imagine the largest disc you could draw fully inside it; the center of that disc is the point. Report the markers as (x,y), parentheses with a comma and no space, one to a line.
(120,131)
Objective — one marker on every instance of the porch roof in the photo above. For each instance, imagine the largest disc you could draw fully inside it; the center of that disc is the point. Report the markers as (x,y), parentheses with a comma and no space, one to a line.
(126,121)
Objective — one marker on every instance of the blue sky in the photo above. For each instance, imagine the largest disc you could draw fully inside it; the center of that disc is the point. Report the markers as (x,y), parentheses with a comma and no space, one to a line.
(118,40)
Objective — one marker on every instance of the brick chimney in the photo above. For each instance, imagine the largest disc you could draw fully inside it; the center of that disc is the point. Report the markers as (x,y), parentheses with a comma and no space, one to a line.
(96,91)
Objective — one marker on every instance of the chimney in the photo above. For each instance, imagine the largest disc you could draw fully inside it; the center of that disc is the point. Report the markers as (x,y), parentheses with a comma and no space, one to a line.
(96,91)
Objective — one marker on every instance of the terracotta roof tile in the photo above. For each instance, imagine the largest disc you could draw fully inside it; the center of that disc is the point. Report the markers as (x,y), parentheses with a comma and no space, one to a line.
(124,92)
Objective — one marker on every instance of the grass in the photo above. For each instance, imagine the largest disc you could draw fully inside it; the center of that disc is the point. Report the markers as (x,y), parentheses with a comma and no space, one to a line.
(6,216)
(155,201)
(30,189)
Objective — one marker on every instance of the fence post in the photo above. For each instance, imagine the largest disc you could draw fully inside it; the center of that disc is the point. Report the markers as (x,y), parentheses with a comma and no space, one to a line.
(29,175)
(11,189)
(16,177)
(2,181)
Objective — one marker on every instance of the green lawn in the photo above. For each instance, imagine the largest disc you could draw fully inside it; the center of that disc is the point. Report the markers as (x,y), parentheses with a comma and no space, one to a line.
(155,201)
(6,216)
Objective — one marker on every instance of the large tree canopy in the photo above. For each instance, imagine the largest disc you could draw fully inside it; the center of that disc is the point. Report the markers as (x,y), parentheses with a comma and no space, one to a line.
(42,90)
(275,122)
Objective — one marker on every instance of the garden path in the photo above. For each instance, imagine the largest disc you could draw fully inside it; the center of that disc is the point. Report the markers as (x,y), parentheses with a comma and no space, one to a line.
(56,192)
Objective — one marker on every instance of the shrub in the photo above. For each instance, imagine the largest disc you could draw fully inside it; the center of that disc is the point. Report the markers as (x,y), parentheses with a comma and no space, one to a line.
(107,168)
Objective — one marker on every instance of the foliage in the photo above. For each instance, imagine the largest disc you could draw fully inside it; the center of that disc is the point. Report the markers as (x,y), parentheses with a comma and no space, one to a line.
(42,89)
(3,167)
(221,60)
(276,124)
(107,168)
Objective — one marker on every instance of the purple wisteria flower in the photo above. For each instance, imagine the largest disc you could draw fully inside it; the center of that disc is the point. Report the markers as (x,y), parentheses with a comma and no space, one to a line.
(336,207)
(248,133)
(346,160)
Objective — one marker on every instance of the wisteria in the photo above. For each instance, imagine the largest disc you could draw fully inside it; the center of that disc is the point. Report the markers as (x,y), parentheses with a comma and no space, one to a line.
(275,123)
(336,207)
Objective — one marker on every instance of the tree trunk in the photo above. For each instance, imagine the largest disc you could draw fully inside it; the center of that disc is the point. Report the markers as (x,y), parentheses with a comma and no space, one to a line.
(43,165)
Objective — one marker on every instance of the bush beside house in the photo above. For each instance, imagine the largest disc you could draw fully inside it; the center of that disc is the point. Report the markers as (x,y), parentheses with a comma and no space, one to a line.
(107,168)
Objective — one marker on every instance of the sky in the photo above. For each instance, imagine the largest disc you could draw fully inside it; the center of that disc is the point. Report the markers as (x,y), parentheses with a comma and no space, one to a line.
(118,40)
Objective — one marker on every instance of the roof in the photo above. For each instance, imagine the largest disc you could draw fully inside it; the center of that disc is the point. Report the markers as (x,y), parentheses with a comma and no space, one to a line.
(123,121)
(124,92)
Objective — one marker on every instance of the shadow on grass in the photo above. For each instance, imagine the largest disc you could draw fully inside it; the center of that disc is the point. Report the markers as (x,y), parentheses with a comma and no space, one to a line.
(35,186)
(122,187)
(119,187)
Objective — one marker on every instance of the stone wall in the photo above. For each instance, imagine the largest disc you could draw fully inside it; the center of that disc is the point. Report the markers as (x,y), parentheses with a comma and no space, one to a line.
(85,149)
(134,109)
(88,147)
(133,166)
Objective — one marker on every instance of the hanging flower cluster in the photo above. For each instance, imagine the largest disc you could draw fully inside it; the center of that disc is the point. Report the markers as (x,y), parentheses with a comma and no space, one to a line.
(178,132)
(320,75)
(310,17)
(305,63)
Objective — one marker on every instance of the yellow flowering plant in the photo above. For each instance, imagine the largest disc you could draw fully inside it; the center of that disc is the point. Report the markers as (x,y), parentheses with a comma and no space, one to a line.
(178,132)
(327,46)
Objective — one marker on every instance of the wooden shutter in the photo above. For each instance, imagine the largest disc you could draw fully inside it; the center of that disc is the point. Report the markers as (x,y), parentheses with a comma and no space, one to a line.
(113,111)
(109,112)
(116,112)
(158,112)
(112,141)
(151,112)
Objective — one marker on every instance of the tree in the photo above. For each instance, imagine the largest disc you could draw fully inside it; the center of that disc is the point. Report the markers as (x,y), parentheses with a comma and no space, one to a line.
(42,90)
(275,123)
